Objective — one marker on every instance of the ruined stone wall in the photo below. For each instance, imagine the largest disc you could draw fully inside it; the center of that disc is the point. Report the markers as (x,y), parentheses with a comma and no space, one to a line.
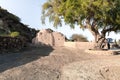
(80,45)
(10,43)
(43,37)
(59,39)
(48,37)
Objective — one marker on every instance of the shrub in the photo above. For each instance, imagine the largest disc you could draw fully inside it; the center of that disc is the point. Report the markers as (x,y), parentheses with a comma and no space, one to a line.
(78,38)
(14,34)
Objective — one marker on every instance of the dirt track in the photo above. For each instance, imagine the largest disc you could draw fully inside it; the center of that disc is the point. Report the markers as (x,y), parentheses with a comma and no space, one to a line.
(43,63)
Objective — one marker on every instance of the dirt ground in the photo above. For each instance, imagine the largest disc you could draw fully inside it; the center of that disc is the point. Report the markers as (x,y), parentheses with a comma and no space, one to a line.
(47,63)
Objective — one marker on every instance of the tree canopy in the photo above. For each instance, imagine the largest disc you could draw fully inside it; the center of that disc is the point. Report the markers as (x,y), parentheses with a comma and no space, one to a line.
(90,14)
(102,12)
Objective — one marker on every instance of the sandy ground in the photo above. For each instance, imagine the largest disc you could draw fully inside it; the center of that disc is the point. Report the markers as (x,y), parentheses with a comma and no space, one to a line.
(45,63)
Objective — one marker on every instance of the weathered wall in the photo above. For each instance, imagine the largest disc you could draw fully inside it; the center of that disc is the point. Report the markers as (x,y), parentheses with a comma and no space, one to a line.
(80,45)
(51,38)
(48,37)
(59,39)
(10,43)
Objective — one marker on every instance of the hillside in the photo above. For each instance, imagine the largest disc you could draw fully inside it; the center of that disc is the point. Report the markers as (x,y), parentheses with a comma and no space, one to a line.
(11,23)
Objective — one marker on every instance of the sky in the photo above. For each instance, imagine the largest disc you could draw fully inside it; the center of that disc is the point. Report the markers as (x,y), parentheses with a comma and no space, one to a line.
(30,12)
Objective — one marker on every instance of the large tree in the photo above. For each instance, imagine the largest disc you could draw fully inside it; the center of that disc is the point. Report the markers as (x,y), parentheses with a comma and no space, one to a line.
(98,16)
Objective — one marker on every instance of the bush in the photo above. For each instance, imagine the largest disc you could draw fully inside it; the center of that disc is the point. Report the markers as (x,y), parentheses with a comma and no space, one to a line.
(78,38)
(14,34)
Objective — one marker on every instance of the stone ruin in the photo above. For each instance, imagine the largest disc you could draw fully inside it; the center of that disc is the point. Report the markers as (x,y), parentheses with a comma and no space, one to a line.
(11,43)
(49,38)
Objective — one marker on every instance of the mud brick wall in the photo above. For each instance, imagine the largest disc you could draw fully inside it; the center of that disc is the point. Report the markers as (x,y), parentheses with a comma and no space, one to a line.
(50,38)
(11,43)
(80,45)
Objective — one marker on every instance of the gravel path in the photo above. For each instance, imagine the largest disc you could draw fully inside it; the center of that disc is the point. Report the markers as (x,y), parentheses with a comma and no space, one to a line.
(42,63)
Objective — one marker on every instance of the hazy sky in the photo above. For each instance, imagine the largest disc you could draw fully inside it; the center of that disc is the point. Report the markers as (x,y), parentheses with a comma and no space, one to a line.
(30,11)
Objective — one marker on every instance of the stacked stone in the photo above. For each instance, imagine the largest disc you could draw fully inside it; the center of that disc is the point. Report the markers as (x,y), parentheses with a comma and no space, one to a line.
(11,43)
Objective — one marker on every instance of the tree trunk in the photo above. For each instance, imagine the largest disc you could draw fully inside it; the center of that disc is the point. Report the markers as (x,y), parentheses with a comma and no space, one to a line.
(100,43)
(99,39)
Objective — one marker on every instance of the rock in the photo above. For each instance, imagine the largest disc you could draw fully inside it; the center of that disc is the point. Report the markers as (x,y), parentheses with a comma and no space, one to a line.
(49,38)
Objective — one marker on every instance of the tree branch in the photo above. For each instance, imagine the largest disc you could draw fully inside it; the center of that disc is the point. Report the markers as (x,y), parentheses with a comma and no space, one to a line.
(104,31)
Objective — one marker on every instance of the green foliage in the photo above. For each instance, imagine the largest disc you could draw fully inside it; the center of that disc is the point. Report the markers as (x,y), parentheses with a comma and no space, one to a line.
(104,14)
(14,34)
(78,37)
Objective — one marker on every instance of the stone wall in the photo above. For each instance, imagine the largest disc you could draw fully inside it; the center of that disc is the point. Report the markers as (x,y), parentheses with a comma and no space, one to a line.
(11,43)
(59,39)
(80,45)
(49,37)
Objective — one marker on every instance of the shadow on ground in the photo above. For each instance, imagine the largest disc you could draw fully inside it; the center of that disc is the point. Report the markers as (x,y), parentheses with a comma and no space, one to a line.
(12,60)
